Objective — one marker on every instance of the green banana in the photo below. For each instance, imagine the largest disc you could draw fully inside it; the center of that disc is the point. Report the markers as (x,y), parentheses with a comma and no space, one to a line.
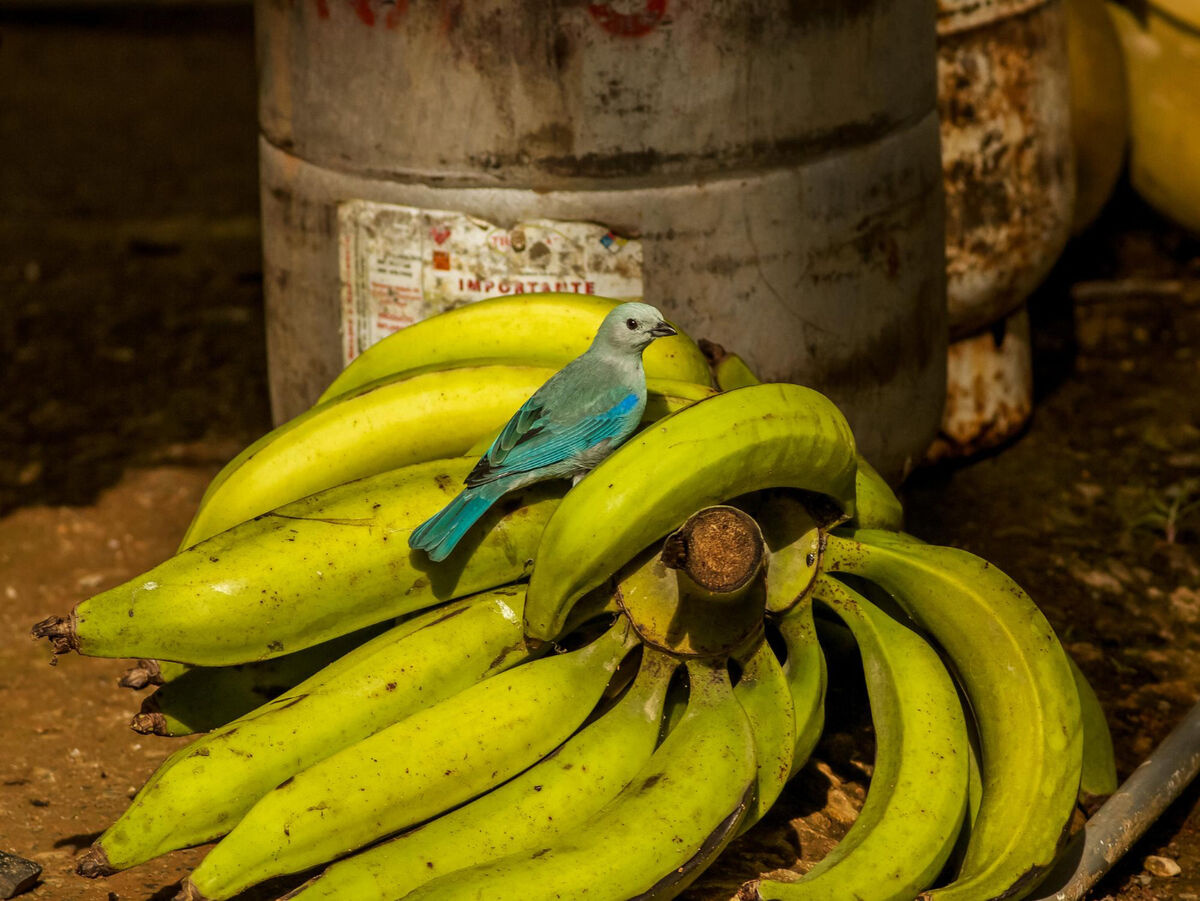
(875,504)
(657,835)
(793,539)
(548,329)
(732,372)
(384,425)
(203,789)
(772,435)
(765,696)
(202,698)
(307,572)
(806,677)
(918,793)
(1099,775)
(422,766)
(1019,684)
(543,802)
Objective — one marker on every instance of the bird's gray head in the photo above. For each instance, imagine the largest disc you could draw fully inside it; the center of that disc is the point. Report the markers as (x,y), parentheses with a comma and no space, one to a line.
(630,327)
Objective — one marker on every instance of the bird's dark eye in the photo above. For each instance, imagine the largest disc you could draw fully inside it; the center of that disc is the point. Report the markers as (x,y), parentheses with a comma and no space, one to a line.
(632,323)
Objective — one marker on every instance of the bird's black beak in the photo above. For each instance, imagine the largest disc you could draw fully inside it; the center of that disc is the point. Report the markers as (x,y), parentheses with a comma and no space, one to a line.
(662,330)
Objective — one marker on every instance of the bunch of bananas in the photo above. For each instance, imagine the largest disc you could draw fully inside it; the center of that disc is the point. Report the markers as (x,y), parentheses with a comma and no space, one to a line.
(570,706)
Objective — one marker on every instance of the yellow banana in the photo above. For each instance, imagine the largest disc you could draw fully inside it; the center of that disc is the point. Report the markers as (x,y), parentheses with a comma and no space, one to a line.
(875,504)
(765,696)
(1099,775)
(387,424)
(806,676)
(1019,683)
(657,835)
(435,759)
(202,790)
(201,698)
(545,801)
(764,436)
(918,791)
(539,329)
(732,371)
(307,572)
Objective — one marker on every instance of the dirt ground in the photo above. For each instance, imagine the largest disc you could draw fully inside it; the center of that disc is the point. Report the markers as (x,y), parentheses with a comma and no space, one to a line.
(131,331)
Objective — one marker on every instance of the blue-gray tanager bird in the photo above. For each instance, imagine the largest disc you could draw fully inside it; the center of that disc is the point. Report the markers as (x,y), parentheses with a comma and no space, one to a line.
(582,413)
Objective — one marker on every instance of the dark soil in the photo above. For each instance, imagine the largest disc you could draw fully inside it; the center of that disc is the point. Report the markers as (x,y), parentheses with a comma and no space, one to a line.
(131,332)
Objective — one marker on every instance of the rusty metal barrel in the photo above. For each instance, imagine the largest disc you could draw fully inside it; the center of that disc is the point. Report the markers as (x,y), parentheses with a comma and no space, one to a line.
(1004,95)
(768,173)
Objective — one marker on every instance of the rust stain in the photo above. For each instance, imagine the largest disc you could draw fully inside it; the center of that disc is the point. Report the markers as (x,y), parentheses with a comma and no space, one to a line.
(989,390)
(1007,159)
(629,25)
(362,9)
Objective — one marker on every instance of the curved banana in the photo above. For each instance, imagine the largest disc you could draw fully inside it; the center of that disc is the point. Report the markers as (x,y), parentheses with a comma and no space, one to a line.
(918,792)
(202,698)
(1099,775)
(764,436)
(305,573)
(657,835)
(1019,683)
(875,504)
(806,677)
(203,789)
(765,695)
(731,371)
(543,802)
(540,329)
(435,759)
(384,425)
(387,424)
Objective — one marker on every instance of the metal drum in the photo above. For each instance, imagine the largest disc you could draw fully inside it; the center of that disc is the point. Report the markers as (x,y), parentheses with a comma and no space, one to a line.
(777,165)
(1004,97)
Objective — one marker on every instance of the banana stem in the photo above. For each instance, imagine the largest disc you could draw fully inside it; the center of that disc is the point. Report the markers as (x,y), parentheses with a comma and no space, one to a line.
(1126,815)
(719,549)
(146,672)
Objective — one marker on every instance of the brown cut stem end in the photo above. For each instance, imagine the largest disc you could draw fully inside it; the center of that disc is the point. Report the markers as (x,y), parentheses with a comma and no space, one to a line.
(146,672)
(720,549)
(149,723)
(713,352)
(60,631)
(189,892)
(93,863)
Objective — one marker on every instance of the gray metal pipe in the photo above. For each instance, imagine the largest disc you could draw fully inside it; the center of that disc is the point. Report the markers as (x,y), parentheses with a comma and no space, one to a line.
(1125,816)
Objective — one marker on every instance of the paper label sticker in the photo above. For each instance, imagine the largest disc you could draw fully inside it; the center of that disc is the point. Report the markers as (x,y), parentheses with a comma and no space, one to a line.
(401,264)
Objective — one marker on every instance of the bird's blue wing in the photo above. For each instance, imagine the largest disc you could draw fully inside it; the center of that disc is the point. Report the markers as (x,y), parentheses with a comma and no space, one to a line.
(544,444)
(524,424)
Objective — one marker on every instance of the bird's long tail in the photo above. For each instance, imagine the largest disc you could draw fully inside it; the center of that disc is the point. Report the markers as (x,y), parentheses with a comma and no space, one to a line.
(439,534)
